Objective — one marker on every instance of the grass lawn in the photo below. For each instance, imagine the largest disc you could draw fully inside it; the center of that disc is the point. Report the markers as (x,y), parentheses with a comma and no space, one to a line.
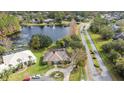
(99,43)
(34,69)
(66,23)
(92,54)
(34,24)
(76,75)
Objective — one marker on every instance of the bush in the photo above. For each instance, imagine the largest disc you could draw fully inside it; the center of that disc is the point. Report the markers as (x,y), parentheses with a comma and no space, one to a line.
(40,41)
(60,44)
(41,61)
(96,63)
(76,44)
(2,50)
(119,67)
(69,50)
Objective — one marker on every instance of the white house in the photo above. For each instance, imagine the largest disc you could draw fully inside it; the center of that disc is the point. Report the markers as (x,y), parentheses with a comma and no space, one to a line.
(16,58)
(19,57)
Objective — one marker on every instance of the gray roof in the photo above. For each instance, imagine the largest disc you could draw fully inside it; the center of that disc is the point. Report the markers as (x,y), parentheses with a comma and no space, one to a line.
(119,35)
(56,55)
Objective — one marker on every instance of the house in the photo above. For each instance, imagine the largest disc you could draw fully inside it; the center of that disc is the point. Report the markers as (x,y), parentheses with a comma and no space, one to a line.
(19,57)
(57,56)
(48,20)
(115,27)
(119,36)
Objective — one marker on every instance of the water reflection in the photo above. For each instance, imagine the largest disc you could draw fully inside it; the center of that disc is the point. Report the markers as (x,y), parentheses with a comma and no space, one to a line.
(22,38)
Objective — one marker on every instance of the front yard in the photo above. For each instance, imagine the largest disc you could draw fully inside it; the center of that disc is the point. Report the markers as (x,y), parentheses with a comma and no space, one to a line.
(34,69)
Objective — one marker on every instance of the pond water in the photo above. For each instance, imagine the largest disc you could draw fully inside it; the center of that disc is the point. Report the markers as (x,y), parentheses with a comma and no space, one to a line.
(22,38)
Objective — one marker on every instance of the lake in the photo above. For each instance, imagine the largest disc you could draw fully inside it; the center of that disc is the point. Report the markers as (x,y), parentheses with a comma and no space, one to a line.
(22,38)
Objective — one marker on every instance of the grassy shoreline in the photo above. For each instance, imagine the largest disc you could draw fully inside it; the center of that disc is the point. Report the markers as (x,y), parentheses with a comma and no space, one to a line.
(64,23)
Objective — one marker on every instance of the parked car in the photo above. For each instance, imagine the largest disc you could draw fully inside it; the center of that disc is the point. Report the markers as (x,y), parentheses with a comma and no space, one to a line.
(36,77)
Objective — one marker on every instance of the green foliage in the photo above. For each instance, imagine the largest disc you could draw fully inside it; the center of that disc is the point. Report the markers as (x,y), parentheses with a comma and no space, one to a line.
(5,75)
(35,42)
(2,50)
(69,50)
(119,67)
(40,41)
(97,24)
(76,44)
(96,64)
(113,56)
(45,41)
(120,30)
(117,45)
(8,24)
(106,32)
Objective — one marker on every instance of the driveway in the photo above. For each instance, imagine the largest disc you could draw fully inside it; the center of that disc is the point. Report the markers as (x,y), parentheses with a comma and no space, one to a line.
(65,71)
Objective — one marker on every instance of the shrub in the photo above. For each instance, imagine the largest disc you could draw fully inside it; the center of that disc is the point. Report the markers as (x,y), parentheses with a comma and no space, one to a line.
(2,50)
(40,41)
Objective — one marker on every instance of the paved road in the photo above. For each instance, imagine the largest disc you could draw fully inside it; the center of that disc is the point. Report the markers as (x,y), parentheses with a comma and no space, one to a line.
(92,69)
(66,72)
(105,74)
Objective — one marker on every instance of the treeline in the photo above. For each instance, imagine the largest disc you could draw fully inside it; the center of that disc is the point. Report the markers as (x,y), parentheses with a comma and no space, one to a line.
(115,54)
(58,16)
(9,24)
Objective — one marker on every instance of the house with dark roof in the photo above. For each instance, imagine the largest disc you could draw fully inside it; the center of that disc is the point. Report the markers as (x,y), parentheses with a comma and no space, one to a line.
(119,36)
(57,56)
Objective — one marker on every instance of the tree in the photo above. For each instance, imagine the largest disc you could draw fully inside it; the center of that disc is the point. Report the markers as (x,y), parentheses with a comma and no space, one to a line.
(2,50)
(113,56)
(73,28)
(75,44)
(119,67)
(40,41)
(107,47)
(35,42)
(7,43)
(9,24)
(97,24)
(6,74)
(120,30)
(59,16)
(60,43)
(106,32)
(45,41)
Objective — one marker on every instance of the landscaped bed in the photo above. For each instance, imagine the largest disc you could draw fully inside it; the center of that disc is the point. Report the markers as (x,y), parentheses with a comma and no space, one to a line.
(57,75)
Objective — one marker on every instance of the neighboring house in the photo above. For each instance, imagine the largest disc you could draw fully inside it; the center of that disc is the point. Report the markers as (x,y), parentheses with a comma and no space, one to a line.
(57,56)
(19,57)
(14,59)
(119,36)
(115,27)
(48,20)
